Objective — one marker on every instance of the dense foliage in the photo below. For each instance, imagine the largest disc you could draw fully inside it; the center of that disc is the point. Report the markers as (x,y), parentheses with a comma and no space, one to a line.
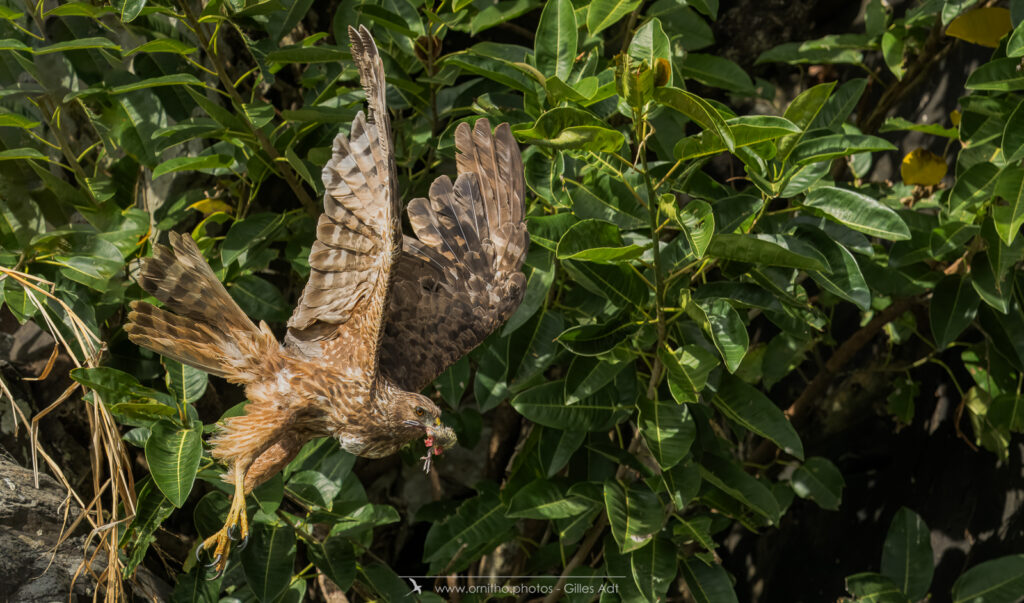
(697,280)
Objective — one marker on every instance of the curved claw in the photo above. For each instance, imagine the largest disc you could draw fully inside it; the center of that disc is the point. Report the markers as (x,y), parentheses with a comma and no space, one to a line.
(245,542)
(232,530)
(199,551)
(219,573)
(216,561)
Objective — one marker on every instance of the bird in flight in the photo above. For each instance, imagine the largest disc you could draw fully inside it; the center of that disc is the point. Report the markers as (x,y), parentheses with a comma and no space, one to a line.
(416,588)
(381,316)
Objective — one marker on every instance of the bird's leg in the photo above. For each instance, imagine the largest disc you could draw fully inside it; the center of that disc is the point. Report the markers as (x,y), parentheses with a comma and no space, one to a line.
(220,543)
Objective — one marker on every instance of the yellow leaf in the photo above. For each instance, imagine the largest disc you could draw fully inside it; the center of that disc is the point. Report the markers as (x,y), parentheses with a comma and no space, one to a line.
(209,206)
(982,26)
(954,118)
(922,167)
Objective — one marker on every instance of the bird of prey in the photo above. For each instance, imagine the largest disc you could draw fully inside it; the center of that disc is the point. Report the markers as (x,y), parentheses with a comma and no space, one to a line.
(381,316)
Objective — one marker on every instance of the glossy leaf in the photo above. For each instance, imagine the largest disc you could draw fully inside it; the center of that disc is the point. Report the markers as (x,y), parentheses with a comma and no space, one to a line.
(748,407)
(728,477)
(186,384)
(953,307)
(687,370)
(907,554)
(697,109)
(819,480)
(707,583)
(668,429)
(727,330)
(543,404)
(268,559)
(173,454)
(545,499)
(771,250)
(595,241)
(602,14)
(859,212)
(812,150)
(654,568)
(556,39)
(997,581)
(634,514)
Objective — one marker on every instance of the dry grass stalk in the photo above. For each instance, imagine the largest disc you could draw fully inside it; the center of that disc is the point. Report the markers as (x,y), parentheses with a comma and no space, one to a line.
(108,455)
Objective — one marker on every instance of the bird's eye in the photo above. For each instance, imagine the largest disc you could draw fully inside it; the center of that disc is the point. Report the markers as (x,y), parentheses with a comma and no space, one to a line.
(420,412)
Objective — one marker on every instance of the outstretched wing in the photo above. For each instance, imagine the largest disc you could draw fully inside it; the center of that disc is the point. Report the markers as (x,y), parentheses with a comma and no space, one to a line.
(459,278)
(358,237)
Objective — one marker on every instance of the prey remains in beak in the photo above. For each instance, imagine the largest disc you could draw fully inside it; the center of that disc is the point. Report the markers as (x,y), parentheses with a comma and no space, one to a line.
(439,437)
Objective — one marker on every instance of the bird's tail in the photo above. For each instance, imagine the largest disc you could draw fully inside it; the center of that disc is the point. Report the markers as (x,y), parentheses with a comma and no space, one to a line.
(199,325)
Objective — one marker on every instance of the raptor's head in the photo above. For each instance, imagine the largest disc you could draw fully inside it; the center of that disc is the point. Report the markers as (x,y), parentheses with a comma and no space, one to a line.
(420,417)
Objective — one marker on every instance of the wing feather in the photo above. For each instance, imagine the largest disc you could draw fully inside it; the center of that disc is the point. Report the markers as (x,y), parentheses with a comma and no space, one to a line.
(339,316)
(459,278)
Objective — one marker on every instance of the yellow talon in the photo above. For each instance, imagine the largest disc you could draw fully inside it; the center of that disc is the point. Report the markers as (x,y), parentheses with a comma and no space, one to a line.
(220,543)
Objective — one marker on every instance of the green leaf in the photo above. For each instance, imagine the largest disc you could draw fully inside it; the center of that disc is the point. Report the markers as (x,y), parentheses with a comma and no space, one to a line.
(595,339)
(845,278)
(654,568)
(899,124)
(476,527)
(748,407)
(766,249)
(859,212)
(545,499)
(571,128)
(996,581)
(595,241)
(128,9)
(587,375)
(973,186)
(802,112)
(697,109)
(78,44)
(556,39)
(634,513)
(186,383)
(334,557)
(707,583)
(247,234)
(169,45)
(306,54)
(746,130)
(151,509)
(543,404)
(831,49)
(1001,75)
(115,386)
(718,72)
(907,554)
(727,330)
(259,299)
(602,14)
(199,163)
(668,429)
(650,44)
(687,370)
(819,480)
(839,106)
(268,560)
(953,306)
(874,588)
(616,283)
(727,476)
(1009,218)
(173,454)
(834,146)
(697,222)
